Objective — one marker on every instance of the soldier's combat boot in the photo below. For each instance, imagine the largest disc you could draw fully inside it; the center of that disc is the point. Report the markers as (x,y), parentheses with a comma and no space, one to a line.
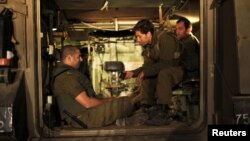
(138,118)
(158,115)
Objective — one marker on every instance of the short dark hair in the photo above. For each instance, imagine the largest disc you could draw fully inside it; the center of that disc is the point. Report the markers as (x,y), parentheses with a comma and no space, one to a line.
(144,26)
(186,22)
(68,50)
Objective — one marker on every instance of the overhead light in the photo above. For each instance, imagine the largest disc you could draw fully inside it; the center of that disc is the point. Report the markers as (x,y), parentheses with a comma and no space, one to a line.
(54,29)
(193,19)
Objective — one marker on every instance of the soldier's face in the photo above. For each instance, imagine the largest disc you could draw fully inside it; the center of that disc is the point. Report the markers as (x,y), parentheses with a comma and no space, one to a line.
(143,39)
(181,31)
(76,59)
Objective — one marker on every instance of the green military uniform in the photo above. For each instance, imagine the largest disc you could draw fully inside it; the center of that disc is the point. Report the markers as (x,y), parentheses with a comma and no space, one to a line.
(161,69)
(69,83)
(190,57)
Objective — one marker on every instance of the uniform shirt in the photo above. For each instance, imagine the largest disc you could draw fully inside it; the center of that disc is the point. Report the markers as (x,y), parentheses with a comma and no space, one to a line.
(67,84)
(160,53)
(190,55)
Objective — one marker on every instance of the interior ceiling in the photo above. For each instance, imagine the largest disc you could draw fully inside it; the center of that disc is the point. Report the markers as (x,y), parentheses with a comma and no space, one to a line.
(118,15)
(91,11)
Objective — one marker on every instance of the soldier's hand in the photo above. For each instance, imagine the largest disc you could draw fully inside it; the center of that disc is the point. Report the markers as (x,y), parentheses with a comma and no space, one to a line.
(129,74)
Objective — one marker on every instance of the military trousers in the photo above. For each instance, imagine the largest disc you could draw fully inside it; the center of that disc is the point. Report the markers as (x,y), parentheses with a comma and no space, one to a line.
(158,90)
(106,113)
